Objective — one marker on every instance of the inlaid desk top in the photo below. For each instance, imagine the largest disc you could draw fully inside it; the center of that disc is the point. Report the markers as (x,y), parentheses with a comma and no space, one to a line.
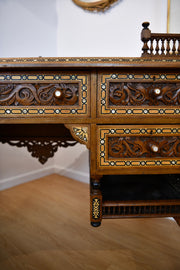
(47,62)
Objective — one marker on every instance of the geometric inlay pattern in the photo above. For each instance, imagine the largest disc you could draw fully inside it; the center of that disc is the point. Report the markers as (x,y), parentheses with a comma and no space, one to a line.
(70,60)
(138,94)
(132,147)
(96,208)
(34,95)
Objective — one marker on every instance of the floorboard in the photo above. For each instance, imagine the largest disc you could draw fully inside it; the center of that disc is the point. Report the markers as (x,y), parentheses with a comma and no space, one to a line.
(44,224)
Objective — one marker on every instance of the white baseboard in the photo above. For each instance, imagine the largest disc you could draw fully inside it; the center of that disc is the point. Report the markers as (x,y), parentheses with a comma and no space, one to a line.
(26,177)
(71,173)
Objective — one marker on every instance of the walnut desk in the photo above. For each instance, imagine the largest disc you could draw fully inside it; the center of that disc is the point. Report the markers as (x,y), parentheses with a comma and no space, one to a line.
(125,110)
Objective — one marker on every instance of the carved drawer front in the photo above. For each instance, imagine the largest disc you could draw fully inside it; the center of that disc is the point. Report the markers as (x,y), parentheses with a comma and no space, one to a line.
(44,94)
(143,96)
(139,149)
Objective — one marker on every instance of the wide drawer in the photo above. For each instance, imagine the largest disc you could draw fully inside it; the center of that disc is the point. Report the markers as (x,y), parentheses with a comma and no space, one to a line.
(145,97)
(52,94)
(128,149)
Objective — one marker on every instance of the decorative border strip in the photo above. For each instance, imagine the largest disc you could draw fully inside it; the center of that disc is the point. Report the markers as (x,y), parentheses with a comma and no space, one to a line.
(87,60)
(81,109)
(104,132)
(96,208)
(105,109)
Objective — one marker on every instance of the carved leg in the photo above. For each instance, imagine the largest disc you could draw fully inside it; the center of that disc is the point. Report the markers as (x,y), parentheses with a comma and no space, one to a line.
(96,203)
(177,219)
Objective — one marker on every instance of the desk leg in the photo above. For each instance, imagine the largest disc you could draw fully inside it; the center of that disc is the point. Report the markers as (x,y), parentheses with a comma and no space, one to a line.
(96,203)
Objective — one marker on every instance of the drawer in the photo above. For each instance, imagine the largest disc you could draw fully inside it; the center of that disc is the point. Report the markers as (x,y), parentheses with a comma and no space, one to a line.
(138,149)
(143,97)
(57,94)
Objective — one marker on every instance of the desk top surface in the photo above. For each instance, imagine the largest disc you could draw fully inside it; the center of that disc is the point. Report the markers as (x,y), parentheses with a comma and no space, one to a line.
(89,62)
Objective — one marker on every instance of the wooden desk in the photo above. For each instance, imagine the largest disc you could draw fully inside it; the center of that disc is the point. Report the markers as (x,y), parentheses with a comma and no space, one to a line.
(125,110)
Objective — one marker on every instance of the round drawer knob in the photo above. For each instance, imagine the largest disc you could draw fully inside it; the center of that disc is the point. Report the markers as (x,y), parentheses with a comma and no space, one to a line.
(157,91)
(154,148)
(57,93)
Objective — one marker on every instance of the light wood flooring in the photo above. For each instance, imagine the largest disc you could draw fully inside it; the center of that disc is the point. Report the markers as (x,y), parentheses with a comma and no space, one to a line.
(44,224)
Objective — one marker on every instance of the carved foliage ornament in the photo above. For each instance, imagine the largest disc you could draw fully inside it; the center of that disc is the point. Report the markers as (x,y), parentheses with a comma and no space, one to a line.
(38,94)
(95,5)
(132,147)
(144,94)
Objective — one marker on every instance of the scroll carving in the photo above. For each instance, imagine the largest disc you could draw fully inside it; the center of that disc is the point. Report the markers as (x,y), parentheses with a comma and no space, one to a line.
(137,94)
(125,147)
(38,94)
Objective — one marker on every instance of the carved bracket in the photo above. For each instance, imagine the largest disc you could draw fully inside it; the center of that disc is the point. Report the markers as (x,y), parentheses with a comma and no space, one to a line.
(80,133)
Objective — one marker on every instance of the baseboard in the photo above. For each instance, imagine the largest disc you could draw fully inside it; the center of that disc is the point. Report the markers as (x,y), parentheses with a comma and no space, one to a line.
(71,173)
(26,177)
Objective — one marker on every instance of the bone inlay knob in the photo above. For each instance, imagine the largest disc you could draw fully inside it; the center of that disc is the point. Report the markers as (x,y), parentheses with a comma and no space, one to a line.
(157,91)
(154,148)
(57,94)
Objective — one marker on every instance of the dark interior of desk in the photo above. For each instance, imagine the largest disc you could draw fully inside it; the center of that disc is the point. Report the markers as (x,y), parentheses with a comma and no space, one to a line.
(140,187)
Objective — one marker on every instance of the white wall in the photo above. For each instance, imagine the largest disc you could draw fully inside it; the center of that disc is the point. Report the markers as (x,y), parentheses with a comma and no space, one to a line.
(28,28)
(174,24)
(113,33)
(60,28)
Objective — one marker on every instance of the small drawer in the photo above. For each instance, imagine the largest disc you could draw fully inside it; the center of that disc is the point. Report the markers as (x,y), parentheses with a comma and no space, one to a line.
(138,149)
(44,94)
(139,96)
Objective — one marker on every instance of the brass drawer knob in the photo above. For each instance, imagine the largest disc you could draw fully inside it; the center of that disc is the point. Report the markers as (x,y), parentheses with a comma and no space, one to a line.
(58,94)
(157,91)
(154,148)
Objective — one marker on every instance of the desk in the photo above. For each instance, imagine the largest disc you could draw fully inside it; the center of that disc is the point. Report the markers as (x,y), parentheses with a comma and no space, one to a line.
(125,110)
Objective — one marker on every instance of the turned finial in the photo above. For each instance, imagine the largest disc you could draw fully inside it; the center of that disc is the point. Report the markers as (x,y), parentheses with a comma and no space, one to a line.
(145,25)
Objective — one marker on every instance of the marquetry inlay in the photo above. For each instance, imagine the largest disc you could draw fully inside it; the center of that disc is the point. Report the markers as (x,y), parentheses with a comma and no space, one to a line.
(133,147)
(130,94)
(86,60)
(96,208)
(36,94)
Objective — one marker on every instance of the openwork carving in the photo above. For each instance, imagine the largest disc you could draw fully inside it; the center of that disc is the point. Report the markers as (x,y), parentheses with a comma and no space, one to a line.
(43,94)
(100,5)
(124,147)
(141,210)
(41,148)
(137,94)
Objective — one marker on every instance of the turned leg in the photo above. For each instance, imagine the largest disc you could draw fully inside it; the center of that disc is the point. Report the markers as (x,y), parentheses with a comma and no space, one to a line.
(177,219)
(96,203)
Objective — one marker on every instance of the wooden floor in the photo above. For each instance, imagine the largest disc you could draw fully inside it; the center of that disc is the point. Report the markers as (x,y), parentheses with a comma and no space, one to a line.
(45,225)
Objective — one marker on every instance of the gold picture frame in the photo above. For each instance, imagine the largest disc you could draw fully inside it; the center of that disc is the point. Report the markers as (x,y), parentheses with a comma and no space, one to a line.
(100,5)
